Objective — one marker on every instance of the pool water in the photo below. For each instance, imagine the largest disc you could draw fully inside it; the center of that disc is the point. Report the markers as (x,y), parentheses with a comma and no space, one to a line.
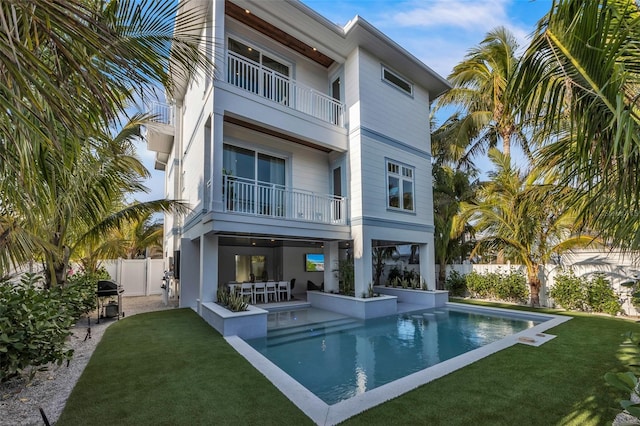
(337,357)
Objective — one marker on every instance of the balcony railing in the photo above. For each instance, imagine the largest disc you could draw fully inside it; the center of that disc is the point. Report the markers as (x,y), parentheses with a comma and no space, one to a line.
(267,199)
(161,113)
(262,81)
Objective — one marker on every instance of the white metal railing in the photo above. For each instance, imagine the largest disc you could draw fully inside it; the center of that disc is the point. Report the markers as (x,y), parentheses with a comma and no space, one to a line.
(262,81)
(267,199)
(161,112)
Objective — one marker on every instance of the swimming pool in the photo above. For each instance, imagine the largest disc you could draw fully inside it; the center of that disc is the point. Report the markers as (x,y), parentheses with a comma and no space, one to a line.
(338,357)
(348,359)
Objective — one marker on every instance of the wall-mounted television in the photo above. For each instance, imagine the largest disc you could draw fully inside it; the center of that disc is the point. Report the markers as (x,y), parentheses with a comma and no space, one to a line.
(314,262)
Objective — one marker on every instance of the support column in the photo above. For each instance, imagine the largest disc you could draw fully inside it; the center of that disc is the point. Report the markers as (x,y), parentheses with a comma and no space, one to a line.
(189,273)
(428,264)
(208,268)
(217,125)
(331,252)
(362,261)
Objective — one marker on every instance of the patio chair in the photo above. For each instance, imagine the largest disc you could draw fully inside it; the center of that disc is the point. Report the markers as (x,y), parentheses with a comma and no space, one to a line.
(260,291)
(270,291)
(246,289)
(283,290)
(292,284)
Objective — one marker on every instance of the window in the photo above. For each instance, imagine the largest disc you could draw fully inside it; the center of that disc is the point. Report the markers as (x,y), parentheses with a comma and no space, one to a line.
(400,186)
(255,181)
(397,81)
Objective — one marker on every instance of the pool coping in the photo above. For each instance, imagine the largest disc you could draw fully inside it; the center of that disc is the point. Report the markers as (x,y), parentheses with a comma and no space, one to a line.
(322,413)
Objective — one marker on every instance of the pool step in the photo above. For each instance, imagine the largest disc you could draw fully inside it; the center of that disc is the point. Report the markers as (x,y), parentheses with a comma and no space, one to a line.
(308,331)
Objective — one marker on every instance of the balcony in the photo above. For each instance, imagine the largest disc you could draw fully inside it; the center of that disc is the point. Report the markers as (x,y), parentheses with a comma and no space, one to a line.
(160,127)
(247,196)
(262,81)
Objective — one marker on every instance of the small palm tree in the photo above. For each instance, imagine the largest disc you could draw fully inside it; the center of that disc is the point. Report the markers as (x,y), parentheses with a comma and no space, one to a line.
(526,217)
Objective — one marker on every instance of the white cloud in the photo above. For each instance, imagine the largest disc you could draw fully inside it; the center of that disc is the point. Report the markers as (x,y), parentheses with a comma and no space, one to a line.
(474,16)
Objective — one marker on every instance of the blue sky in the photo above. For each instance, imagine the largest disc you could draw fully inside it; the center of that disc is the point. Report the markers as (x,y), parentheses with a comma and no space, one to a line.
(438,32)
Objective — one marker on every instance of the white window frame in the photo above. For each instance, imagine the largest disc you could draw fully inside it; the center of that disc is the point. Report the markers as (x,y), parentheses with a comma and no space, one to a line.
(405,173)
(386,69)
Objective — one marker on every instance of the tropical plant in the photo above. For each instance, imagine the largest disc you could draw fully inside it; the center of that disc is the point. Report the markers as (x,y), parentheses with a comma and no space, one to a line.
(451,237)
(488,111)
(380,254)
(77,64)
(346,277)
(525,216)
(628,381)
(456,284)
(79,193)
(579,80)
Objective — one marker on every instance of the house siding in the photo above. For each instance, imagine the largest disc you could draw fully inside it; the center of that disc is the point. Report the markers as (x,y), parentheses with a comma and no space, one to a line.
(390,111)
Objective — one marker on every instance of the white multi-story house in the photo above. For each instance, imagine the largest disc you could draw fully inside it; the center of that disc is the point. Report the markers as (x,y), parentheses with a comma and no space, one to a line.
(311,138)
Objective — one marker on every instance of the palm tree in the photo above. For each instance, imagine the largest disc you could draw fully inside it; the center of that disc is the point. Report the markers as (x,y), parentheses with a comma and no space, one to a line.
(79,193)
(583,68)
(487,108)
(140,237)
(451,188)
(84,58)
(526,217)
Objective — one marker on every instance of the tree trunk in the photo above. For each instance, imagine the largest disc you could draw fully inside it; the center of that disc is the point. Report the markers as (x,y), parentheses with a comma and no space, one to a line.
(442,275)
(534,285)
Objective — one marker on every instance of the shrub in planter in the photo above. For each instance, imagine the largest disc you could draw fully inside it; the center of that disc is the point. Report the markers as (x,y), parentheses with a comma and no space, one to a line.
(456,284)
(232,301)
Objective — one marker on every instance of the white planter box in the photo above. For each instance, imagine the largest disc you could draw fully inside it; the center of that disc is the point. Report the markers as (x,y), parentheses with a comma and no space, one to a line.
(427,298)
(246,325)
(357,307)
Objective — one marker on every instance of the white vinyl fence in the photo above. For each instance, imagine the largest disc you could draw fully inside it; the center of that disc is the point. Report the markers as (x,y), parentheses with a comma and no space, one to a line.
(616,267)
(139,277)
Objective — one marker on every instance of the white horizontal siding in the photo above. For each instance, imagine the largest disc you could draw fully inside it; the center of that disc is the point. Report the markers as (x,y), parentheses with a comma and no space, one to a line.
(390,111)
(374,183)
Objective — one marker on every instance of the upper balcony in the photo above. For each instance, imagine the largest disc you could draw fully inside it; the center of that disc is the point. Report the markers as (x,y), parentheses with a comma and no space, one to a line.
(267,83)
(266,199)
(160,131)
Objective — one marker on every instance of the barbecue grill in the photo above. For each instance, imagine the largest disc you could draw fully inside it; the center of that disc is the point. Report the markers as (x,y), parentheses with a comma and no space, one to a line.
(106,292)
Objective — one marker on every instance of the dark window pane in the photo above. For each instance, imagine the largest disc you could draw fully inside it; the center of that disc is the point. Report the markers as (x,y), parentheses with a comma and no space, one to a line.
(394,192)
(407,195)
(244,50)
(397,81)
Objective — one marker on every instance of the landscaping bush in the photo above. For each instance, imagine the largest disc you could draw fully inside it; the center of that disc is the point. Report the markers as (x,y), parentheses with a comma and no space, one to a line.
(34,324)
(600,296)
(456,284)
(79,292)
(569,291)
(579,294)
(510,286)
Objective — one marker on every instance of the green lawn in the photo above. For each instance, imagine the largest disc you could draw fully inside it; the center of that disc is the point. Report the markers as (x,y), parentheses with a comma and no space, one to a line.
(171,368)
